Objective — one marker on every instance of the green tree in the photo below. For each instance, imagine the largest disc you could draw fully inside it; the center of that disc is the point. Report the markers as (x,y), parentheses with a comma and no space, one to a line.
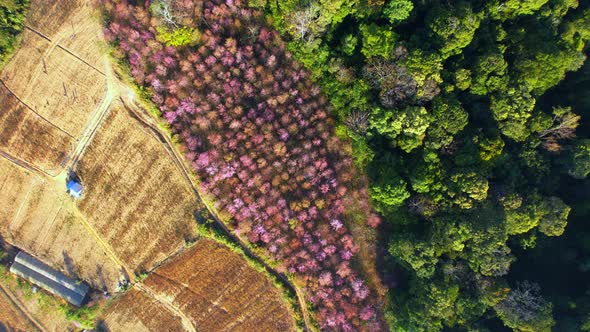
(525,310)
(508,9)
(489,74)
(512,110)
(416,254)
(388,190)
(467,187)
(406,127)
(397,11)
(554,221)
(453,28)
(578,159)
(447,119)
(349,43)
(377,40)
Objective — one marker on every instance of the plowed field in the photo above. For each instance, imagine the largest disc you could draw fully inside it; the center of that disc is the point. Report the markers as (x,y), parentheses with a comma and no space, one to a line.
(138,312)
(219,291)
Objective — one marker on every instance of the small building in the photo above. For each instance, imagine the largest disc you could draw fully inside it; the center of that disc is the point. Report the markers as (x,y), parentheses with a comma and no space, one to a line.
(55,282)
(74,188)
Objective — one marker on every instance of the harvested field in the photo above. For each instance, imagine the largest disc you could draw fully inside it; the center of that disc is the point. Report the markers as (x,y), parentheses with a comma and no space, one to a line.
(219,291)
(43,220)
(136,197)
(137,312)
(74,24)
(11,318)
(46,106)
(28,137)
(56,85)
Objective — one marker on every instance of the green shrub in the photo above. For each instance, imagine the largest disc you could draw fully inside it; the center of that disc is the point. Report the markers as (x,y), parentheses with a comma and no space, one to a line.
(178,37)
(12,16)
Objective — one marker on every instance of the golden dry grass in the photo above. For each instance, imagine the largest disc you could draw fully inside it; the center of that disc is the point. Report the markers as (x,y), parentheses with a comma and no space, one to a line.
(42,220)
(136,197)
(58,86)
(28,137)
(138,312)
(219,291)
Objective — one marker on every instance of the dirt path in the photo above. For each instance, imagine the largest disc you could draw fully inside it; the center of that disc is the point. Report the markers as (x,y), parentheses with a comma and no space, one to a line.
(93,124)
(186,322)
(148,120)
(20,308)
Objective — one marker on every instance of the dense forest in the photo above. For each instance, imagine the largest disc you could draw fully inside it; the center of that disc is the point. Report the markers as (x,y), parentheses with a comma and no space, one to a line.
(12,15)
(470,119)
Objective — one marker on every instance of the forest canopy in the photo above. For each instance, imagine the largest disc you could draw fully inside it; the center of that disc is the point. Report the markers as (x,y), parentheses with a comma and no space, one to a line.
(454,113)
(12,16)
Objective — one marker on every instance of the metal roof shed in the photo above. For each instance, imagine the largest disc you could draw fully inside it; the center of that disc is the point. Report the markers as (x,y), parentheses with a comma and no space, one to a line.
(49,279)
(74,188)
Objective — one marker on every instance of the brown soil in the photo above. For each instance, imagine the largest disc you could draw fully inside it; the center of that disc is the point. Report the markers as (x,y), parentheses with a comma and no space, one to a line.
(137,312)
(11,318)
(219,291)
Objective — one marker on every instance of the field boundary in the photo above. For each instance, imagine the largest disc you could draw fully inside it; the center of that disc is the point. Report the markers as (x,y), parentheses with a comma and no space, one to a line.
(40,34)
(34,111)
(25,165)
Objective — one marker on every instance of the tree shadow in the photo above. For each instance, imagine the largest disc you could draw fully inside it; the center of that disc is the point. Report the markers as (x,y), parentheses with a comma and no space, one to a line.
(69,263)
(101,326)
(101,278)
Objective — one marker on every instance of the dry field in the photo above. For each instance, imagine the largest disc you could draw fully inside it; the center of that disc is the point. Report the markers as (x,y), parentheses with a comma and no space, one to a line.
(11,318)
(74,24)
(219,291)
(56,85)
(138,312)
(29,137)
(42,220)
(57,80)
(136,197)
